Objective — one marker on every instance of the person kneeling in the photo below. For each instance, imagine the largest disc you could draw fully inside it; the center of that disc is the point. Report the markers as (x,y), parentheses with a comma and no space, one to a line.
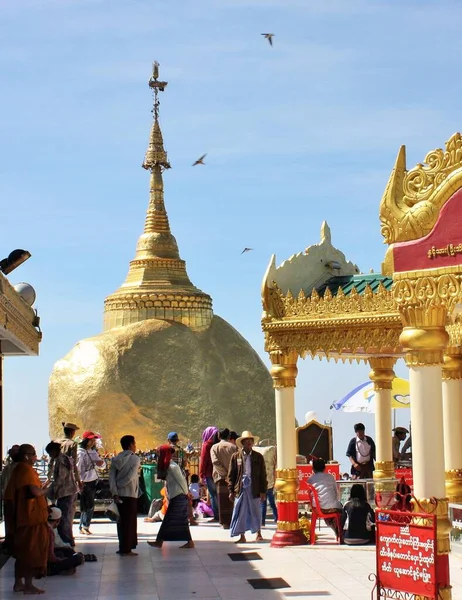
(361,519)
(62,560)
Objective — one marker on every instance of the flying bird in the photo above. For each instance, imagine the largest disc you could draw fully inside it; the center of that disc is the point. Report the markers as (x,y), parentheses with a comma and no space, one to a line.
(246,250)
(269,37)
(200,161)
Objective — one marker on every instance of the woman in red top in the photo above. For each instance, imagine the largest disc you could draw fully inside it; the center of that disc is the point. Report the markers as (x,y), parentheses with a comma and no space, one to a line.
(209,438)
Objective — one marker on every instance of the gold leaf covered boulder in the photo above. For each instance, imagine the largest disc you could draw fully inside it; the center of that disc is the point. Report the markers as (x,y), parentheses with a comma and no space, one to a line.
(154,376)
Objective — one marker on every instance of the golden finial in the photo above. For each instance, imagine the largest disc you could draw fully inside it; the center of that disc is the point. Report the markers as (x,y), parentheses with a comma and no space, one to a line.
(155,154)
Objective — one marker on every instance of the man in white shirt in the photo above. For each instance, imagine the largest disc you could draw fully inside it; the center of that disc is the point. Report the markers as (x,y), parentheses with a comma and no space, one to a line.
(325,485)
(124,485)
(361,452)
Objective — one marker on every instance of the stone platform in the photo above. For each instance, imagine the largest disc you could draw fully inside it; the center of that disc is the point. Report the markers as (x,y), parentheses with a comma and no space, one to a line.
(207,572)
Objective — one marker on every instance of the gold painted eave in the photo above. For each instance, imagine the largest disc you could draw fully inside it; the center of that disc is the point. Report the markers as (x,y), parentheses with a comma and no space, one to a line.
(18,336)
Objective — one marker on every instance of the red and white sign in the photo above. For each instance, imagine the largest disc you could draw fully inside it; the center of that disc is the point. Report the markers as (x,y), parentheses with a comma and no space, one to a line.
(305,472)
(405,472)
(406,554)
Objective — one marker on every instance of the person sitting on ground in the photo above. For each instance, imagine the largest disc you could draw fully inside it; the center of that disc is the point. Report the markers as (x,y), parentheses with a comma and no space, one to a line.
(325,485)
(62,560)
(360,516)
(195,490)
(158,508)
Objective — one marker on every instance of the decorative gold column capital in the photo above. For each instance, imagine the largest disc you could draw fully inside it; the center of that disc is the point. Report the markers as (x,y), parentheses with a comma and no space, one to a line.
(286,485)
(284,370)
(439,507)
(384,469)
(452,366)
(424,346)
(382,373)
(454,485)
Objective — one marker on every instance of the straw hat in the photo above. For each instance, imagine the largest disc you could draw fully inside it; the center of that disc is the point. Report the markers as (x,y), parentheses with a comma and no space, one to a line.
(245,436)
(68,425)
(400,430)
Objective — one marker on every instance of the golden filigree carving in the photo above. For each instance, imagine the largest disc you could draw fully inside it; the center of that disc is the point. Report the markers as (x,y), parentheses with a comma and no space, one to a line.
(339,304)
(413,199)
(427,300)
(344,341)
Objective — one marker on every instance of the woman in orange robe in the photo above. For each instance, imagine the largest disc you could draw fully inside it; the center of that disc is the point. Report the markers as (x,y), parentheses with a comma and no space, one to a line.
(28,522)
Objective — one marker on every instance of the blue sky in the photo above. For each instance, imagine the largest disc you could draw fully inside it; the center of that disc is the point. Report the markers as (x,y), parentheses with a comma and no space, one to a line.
(296,133)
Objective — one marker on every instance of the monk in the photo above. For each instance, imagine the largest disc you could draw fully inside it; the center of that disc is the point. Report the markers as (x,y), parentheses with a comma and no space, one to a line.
(28,522)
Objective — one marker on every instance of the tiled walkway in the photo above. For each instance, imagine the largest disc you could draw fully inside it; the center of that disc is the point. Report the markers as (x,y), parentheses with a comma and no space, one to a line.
(324,571)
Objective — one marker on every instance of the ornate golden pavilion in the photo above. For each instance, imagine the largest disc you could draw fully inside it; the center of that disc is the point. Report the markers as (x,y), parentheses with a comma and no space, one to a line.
(317,303)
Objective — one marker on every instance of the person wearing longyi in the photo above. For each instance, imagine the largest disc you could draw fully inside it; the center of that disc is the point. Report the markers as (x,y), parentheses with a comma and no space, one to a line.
(247,484)
(361,452)
(175,527)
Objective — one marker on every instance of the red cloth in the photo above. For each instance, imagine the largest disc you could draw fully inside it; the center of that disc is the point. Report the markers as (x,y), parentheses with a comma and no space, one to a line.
(206,466)
(164,457)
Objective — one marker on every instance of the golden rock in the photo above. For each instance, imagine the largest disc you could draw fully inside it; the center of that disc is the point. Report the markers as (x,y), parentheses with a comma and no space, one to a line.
(153,377)
(164,361)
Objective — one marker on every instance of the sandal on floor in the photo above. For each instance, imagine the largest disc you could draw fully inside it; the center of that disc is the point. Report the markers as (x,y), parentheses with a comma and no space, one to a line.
(90,558)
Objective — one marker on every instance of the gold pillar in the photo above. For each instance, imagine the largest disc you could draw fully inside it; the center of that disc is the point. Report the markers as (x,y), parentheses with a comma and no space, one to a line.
(382,376)
(424,338)
(284,372)
(452,416)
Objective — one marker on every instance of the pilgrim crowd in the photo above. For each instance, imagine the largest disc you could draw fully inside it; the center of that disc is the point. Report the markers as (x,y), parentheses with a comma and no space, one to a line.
(236,480)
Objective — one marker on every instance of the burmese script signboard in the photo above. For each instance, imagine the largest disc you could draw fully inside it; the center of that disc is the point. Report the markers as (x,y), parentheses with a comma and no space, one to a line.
(305,472)
(406,553)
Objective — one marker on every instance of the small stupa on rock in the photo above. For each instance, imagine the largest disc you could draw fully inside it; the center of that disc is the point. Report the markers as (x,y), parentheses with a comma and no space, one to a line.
(164,361)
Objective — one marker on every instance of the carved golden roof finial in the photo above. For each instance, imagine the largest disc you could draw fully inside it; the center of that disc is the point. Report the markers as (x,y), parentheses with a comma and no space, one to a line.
(325,232)
(413,199)
(157,284)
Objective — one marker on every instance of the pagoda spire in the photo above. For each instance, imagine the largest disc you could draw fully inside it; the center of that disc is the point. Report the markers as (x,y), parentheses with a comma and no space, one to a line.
(157,284)
(156,161)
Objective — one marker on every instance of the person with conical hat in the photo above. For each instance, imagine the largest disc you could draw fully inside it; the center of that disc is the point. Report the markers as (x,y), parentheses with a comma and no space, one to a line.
(247,484)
